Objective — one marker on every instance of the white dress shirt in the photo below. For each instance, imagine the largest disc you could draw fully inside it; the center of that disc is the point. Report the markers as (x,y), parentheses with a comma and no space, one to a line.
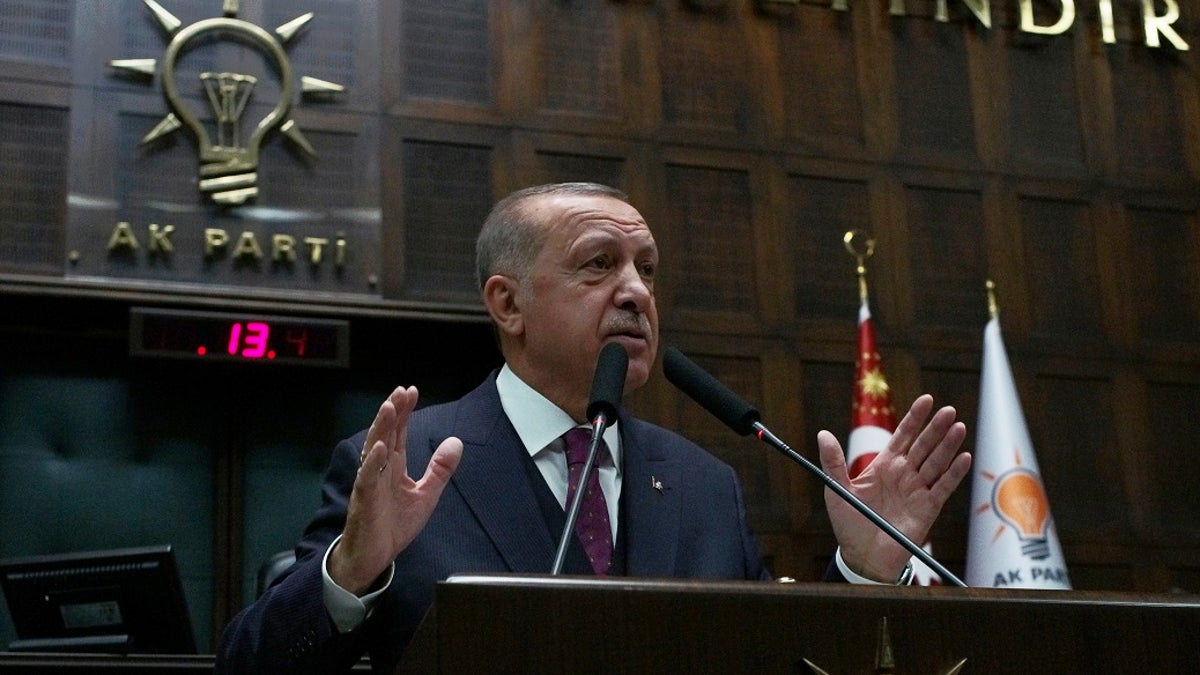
(539,423)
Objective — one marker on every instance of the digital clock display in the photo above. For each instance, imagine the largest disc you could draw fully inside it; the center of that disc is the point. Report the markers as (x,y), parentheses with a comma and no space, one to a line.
(219,336)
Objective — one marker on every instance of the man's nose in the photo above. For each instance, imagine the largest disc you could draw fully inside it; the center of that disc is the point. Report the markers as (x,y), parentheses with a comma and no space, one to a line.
(633,290)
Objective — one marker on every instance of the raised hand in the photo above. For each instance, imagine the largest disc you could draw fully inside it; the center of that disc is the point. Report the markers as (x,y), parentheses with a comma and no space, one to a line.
(907,483)
(388,509)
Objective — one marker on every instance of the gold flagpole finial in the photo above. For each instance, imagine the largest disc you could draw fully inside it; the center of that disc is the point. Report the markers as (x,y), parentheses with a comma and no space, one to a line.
(993,308)
(860,256)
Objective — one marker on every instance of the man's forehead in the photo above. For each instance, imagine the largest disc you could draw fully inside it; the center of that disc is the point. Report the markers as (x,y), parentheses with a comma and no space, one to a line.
(582,213)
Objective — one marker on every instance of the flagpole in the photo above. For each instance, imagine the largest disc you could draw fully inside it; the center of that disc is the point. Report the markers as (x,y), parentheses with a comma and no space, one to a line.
(860,257)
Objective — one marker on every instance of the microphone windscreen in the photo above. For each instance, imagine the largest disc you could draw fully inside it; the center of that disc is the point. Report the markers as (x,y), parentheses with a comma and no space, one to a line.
(706,390)
(608,384)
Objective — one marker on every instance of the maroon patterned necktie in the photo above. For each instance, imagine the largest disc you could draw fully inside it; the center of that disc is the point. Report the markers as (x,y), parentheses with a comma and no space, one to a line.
(592,526)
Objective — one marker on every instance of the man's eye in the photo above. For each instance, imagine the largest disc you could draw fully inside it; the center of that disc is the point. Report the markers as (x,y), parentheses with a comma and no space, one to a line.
(600,262)
(648,269)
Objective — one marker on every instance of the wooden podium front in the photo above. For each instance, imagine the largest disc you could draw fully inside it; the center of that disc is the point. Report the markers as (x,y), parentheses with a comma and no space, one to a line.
(524,624)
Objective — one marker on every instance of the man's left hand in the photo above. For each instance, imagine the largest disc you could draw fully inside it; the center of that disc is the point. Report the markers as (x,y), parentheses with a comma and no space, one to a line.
(907,483)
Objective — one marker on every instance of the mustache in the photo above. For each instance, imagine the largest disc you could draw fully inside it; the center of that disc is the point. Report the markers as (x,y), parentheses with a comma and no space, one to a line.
(634,323)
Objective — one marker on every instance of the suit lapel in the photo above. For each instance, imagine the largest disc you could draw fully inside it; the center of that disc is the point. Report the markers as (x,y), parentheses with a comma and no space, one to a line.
(493,482)
(651,497)
(495,486)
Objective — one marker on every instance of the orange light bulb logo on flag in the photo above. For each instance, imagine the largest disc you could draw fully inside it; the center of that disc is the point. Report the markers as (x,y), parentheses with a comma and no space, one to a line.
(1020,501)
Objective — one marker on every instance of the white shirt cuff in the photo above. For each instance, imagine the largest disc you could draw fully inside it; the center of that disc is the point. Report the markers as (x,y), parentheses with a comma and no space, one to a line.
(346,609)
(905,576)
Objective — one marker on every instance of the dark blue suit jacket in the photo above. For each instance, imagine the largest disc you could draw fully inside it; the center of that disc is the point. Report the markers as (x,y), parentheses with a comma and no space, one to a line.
(490,519)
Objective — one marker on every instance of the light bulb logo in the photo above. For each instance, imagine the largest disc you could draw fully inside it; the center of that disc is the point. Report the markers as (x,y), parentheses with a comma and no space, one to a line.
(1020,501)
(228,167)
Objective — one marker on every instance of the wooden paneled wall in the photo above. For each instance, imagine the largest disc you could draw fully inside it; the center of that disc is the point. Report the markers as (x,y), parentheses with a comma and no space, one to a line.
(1062,168)
(752,135)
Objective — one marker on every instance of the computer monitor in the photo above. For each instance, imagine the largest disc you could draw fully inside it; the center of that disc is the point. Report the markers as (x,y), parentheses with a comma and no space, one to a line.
(125,601)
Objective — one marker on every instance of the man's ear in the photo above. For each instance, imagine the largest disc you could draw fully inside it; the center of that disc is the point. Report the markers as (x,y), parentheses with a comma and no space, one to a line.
(500,298)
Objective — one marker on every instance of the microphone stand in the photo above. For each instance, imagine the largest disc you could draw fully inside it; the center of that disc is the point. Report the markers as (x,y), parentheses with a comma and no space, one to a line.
(598,426)
(740,416)
(771,439)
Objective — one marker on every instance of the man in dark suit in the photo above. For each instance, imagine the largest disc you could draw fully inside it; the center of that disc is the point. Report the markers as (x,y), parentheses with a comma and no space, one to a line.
(480,484)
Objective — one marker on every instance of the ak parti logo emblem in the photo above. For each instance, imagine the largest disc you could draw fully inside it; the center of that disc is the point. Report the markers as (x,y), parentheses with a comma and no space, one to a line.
(228,145)
(1019,500)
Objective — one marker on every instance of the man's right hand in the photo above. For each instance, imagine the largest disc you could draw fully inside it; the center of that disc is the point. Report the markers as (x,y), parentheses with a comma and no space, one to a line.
(388,509)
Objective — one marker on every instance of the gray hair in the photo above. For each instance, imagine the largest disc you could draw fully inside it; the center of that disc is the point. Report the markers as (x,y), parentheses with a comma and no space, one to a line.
(510,240)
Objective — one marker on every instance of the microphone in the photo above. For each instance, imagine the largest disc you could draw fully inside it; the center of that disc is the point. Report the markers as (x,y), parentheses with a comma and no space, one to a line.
(608,384)
(743,418)
(706,390)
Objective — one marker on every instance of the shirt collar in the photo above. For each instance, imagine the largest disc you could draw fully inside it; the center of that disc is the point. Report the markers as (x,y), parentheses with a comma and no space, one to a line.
(538,421)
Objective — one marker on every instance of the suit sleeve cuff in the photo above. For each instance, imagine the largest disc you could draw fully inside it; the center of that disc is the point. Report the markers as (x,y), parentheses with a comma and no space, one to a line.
(905,576)
(346,609)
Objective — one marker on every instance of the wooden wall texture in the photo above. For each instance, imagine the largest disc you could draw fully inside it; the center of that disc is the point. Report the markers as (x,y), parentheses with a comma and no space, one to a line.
(751,137)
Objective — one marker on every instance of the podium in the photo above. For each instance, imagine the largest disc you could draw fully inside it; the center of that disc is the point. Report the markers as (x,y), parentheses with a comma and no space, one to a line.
(538,624)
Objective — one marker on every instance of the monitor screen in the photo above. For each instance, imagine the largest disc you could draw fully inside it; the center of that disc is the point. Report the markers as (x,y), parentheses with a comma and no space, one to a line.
(126,601)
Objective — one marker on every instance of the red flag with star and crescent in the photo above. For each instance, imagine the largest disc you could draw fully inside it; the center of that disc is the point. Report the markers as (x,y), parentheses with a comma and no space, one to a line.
(872,419)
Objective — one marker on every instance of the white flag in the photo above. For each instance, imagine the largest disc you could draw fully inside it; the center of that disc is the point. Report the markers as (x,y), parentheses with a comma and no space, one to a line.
(1012,541)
